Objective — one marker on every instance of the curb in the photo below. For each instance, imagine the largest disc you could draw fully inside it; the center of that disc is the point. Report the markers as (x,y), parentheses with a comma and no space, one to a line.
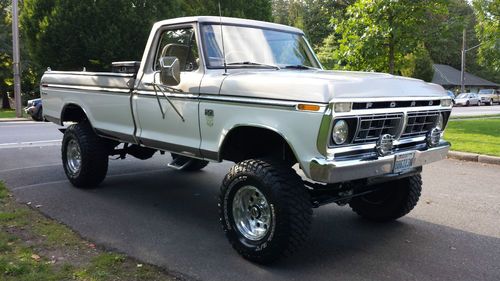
(474,157)
(14,119)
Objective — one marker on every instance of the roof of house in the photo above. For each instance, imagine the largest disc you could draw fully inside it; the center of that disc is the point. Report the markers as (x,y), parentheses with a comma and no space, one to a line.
(449,76)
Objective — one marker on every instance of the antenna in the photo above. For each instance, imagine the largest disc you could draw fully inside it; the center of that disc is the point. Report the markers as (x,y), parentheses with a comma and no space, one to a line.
(222,37)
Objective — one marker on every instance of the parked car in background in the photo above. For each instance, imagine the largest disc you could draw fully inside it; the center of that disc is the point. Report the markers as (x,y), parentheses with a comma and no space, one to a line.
(489,96)
(35,109)
(451,95)
(467,99)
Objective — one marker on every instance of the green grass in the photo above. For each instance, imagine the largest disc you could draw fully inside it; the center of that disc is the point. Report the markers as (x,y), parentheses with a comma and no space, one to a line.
(7,113)
(33,247)
(477,136)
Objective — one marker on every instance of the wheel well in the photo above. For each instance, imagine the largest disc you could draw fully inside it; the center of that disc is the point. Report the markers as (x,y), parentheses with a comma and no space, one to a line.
(73,112)
(243,143)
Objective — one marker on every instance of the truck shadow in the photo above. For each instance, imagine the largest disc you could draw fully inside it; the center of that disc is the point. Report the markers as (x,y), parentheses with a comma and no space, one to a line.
(183,221)
(170,218)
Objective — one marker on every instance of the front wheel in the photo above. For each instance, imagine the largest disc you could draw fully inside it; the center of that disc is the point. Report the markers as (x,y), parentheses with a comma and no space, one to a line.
(391,201)
(264,209)
(84,156)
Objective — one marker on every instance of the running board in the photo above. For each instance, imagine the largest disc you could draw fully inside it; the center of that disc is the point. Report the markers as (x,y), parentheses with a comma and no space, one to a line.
(180,163)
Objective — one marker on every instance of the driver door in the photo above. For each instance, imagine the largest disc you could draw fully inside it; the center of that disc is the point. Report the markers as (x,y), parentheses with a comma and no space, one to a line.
(171,123)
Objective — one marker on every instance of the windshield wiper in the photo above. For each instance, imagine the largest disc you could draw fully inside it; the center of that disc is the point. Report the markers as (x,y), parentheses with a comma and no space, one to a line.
(298,66)
(254,63)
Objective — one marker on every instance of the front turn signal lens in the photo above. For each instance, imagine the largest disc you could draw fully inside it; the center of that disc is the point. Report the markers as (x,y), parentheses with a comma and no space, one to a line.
(308,107)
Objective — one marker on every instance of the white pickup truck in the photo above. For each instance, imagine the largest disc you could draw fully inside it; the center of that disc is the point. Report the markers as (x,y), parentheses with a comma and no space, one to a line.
(210,89)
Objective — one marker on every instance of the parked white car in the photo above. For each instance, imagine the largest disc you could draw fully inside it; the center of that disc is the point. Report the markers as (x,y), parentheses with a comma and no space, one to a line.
(466,99)
(254,93)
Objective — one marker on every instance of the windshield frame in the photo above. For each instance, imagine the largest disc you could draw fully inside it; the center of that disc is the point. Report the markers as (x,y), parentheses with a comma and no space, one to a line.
(315,59)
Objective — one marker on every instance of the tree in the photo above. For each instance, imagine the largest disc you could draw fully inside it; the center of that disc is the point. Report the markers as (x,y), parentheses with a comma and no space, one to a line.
(488,33)
(6,75)
(316,14)
(255,9)
(376,35)
(418,64)
(69,35)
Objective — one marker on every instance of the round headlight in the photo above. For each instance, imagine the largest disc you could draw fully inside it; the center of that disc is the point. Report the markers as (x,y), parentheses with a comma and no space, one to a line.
(340,132)
(440,122)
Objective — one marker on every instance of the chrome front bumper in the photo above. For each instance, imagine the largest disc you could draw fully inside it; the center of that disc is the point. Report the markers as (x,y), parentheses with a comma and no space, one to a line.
(331,171)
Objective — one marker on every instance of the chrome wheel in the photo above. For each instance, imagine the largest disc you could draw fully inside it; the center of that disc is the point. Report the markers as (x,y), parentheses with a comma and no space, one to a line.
(73,157)
(251,213)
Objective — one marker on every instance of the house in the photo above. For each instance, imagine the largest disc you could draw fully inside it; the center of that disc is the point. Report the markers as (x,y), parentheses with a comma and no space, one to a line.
(449,78)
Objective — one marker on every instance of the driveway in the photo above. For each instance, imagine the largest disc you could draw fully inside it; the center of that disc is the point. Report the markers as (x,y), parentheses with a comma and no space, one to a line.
(169,218)
(475,110)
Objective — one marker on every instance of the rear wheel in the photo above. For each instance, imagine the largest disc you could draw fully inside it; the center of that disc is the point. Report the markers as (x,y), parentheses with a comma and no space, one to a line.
(264,209)
(84,156)
(391,201)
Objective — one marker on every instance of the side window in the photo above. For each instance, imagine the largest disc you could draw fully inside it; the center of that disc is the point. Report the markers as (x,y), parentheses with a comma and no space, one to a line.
(180,43)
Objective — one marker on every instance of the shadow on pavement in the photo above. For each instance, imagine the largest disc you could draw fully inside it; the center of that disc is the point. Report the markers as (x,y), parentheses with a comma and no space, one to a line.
(170,219)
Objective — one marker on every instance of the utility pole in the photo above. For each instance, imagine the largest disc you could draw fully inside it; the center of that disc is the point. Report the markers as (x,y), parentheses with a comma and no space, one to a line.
(15,51)
(462,72)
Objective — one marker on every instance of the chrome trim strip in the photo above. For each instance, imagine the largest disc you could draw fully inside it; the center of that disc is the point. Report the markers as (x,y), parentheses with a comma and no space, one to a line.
(330,171)
(85,73)
(359,112)
(291,105)
(401,98)
(183,95)
(89,88)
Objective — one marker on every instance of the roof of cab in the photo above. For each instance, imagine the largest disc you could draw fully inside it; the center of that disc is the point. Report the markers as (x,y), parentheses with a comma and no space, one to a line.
(228,20)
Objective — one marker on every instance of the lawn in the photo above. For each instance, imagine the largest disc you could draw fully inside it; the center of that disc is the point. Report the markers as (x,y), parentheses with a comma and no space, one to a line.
(477,135)
(33,247)
(7,113)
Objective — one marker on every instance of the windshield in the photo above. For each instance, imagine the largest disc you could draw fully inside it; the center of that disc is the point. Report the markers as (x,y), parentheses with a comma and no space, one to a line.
(462,96)
(255,47)
(486,92)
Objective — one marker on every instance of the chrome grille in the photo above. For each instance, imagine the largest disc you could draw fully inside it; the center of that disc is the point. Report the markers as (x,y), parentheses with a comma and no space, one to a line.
(371,127)
(419,123)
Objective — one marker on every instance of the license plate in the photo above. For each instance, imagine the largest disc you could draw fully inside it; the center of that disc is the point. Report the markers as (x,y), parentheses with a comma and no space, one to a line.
(403,162)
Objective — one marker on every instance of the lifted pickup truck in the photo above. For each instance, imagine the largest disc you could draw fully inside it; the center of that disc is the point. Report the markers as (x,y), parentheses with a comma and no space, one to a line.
(210,89)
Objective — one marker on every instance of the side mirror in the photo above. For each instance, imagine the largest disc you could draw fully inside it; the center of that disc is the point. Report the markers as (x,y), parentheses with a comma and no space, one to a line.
(170,71)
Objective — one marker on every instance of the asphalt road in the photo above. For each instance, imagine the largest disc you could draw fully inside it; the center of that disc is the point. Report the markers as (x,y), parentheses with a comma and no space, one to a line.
(475,110)
(169,218)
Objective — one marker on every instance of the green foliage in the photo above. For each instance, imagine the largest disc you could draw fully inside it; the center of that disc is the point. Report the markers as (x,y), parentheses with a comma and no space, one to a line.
(68,34)
(376,35)
(312,16)
(255,9)
(418,64)
(488,33)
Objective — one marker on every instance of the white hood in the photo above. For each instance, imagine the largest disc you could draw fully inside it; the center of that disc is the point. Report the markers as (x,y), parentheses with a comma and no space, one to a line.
(322,86)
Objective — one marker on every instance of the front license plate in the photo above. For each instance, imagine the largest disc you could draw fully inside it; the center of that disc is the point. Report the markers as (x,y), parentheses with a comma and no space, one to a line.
(403,162)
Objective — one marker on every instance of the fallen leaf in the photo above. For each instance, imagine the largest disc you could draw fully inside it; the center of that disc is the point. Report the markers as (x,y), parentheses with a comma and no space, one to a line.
(38,206)
(35,257)
(29,203)
(139,265)
(91,245)
(453,248)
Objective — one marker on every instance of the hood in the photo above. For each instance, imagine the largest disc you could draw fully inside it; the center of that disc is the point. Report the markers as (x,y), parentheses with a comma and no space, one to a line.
(322,86)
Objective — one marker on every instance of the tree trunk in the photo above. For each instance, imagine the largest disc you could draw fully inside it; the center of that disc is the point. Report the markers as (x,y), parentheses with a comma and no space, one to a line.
(5,101)
(391,55)
(391,45)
